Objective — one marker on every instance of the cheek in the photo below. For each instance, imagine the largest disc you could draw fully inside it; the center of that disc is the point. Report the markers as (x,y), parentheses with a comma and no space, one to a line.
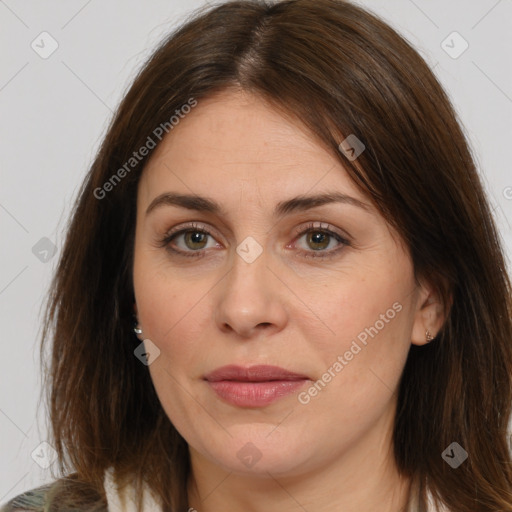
(156,294)
(173,311)
(362,303)
(368,314)
(361,364)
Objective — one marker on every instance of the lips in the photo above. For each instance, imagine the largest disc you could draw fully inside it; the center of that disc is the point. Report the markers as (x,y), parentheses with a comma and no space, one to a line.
(259,373)
(254,386)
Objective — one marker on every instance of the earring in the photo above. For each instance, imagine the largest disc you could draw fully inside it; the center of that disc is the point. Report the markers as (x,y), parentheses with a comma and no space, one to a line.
(428,336)
(137,329)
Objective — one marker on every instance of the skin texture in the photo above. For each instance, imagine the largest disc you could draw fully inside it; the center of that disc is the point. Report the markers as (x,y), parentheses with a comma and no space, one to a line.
(287,309)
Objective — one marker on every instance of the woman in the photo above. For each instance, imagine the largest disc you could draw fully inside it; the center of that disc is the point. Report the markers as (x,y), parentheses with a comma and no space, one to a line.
(282,287)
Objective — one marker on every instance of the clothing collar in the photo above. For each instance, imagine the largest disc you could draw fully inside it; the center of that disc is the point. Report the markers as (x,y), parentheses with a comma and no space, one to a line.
(125,501)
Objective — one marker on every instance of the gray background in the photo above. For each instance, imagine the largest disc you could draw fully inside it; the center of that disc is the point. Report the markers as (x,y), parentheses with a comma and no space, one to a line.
(54,112)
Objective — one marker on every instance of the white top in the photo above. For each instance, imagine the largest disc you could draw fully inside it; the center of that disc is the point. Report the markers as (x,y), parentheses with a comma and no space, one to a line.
(125,502)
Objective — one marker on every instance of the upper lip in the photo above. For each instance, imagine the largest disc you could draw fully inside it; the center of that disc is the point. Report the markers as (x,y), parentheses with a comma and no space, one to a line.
(258,373)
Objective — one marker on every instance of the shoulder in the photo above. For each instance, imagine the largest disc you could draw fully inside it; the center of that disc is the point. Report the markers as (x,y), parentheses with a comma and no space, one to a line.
(32,500)
(54,497)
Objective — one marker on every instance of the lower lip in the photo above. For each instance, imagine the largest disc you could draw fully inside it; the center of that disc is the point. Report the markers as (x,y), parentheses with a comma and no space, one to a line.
(254,394)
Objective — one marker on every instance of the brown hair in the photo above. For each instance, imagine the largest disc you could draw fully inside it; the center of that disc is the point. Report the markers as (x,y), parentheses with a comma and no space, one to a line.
(338,70)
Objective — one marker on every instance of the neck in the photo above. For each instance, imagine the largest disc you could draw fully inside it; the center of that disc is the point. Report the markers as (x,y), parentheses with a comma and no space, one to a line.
(363,478)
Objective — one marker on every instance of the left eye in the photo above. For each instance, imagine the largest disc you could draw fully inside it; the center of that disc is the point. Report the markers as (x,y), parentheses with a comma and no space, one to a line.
(318,240)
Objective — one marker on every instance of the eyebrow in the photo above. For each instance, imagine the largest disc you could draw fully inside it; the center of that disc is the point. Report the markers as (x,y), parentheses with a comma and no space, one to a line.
(295,204)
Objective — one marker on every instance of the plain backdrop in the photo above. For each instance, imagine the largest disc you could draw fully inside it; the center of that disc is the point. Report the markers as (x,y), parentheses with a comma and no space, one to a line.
(54,112)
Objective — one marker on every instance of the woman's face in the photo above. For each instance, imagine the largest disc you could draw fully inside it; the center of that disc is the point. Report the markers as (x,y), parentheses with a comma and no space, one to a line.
(255,272)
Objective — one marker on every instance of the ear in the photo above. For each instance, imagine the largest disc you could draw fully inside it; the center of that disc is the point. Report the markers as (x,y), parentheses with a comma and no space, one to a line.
(430,315)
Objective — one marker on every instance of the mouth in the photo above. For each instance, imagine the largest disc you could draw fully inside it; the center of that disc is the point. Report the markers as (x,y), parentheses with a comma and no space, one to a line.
(254,386)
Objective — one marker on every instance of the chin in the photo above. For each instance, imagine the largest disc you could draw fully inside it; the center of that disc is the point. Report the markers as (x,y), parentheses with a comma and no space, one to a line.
(261,454)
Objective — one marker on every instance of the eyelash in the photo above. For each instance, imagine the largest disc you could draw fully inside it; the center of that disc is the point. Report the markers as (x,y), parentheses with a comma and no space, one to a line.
(165,242)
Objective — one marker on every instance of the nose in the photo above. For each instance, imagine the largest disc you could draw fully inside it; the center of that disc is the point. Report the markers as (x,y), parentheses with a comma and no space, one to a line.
(251,299)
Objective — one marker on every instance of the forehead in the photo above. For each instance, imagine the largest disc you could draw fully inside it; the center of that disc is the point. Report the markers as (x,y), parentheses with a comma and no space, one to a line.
(235,141)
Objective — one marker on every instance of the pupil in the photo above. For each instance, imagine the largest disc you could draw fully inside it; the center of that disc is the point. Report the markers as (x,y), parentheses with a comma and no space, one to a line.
(195,237)
(318,238)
